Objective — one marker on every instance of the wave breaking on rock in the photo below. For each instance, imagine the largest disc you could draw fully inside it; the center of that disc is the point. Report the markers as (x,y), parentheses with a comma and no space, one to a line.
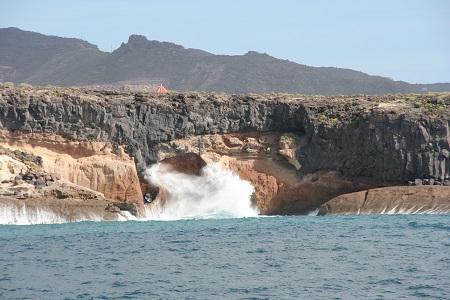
(15,213)
(214,193)
(391,200)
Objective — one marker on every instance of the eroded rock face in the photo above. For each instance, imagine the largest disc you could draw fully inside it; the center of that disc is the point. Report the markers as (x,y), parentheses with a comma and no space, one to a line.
(389,138)
(344,144)
(396,199)
(188,163)
(30,195)
(91,165)
(52,210)
(280,187)
(10,168)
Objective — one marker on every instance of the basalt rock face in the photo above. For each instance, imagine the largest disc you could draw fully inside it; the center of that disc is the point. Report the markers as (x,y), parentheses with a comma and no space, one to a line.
(384,145)
(390,138)
(267,160)
(297,151)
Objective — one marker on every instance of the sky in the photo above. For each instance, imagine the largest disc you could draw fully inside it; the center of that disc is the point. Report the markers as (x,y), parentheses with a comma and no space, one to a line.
(402,39)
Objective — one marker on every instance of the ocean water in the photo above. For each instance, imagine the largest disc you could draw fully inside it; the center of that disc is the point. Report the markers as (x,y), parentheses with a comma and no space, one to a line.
(376,257)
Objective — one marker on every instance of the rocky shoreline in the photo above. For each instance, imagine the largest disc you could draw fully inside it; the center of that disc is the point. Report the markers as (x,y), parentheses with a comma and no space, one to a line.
(299,152)
(391,200)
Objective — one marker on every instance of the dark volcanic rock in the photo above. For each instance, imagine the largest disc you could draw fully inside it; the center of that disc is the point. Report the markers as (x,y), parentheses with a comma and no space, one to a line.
(387,138)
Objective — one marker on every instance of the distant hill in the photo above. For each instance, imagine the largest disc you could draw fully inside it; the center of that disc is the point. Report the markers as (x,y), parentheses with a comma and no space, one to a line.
(40,59)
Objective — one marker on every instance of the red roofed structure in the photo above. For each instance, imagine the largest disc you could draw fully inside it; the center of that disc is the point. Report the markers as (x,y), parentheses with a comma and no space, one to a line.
(161,89)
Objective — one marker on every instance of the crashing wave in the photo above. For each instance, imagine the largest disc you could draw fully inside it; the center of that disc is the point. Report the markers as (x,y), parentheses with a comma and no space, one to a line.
(415,210)
(24,215)
(314,212)
(216,193)
(397,210)
(12,214)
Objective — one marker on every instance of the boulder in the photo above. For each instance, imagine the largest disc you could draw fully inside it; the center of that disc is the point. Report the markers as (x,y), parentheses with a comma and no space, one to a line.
(394,199)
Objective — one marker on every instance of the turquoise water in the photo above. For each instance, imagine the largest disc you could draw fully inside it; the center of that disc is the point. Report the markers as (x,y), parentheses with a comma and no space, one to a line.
(377,257)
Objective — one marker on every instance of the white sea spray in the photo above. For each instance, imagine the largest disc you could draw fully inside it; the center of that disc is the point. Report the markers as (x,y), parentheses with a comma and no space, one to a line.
(216,193)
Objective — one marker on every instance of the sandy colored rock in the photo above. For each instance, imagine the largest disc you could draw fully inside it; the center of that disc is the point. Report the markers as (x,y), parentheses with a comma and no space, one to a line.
(52,210)
(287,147)
(10,168)
(88,164)
(350,143)
(278,187)
(189,163)
(394,199)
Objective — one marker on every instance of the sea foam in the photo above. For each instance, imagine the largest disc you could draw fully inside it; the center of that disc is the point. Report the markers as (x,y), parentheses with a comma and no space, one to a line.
(216,193)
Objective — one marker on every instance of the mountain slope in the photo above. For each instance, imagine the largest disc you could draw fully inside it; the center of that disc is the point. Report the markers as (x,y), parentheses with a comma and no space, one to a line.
(40,59)
(36,58)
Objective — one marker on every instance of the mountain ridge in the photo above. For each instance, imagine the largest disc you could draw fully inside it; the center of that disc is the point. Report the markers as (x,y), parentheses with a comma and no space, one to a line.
(36,58)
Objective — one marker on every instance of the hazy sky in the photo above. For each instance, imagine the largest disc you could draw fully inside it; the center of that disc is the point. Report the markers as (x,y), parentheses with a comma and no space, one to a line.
(405,40)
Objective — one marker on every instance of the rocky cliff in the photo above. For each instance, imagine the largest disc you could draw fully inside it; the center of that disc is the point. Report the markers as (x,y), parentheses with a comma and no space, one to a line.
(366,141)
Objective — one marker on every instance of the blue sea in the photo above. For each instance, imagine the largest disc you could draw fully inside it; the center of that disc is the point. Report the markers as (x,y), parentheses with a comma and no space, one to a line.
(344,257)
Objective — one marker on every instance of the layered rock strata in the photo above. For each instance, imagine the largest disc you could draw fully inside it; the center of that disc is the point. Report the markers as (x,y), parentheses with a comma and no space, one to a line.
(345,143)
(391,200)
(29,195)
(268,162)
